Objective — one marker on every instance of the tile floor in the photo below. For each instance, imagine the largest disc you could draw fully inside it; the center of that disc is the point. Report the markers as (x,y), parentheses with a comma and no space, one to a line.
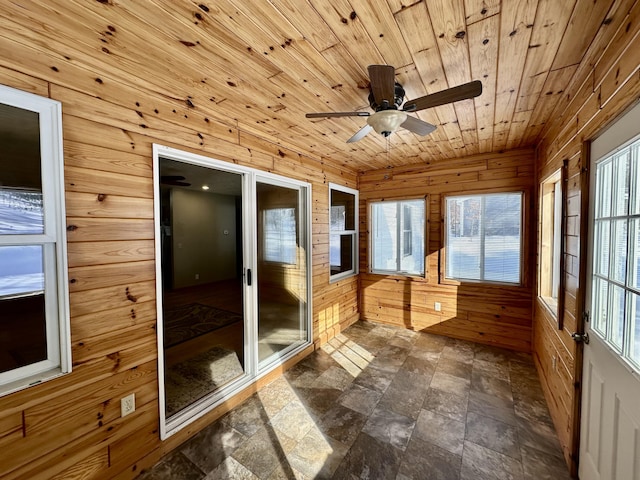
(379,402)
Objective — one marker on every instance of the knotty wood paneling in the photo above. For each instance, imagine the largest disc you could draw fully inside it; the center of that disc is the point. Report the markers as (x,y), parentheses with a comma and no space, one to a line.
(606,82)
(491,314)
(71,427)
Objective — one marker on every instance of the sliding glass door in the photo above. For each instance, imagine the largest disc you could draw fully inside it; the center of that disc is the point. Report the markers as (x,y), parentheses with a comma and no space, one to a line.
(233,279)
(282,268)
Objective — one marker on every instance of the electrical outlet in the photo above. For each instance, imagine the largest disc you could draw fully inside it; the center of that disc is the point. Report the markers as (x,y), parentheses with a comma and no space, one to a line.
(437,306)
(197,276)
(554,363)
(128,405)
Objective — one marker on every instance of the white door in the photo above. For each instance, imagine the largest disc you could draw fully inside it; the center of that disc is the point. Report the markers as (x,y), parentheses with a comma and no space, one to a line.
(610,420)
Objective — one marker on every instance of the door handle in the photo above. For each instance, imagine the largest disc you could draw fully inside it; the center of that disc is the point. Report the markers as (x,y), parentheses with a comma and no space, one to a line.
(249,279)
(580,337)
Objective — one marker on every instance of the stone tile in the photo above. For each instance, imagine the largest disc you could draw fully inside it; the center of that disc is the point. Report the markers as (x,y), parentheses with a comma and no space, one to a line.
(247,418)
(262,452)
(208,448)
(459,350)
(491,433)
(173,466)
(493,354)
(276,395)
(440,430)
(540,466)
(425,461)
(319,360)
(360,399)
(374,378)
(539,436)
(342,424)
(317,456)
(480,463)
(450,383)
(390,427)
(446,403)
(420,365)
(402,342)
(369,458)
(455,368)
(491,385)
(430,343)
(493,407)
(230,468)
(406,394)
(293,420)
(318,400)
(334,377)
(498,370)
(284,471)
(390,358)
(532,409)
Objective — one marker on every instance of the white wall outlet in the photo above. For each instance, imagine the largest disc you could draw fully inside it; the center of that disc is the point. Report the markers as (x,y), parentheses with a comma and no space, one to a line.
(437,306)
(128,405)
(197,276)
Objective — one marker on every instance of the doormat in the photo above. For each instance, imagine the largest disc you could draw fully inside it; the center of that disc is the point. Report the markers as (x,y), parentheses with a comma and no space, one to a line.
(192,379)
(192,320)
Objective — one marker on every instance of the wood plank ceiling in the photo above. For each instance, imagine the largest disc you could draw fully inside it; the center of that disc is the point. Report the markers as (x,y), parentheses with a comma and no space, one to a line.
(260,65)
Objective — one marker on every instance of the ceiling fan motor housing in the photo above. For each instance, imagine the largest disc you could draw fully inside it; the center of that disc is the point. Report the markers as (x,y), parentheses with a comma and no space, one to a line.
(397,101)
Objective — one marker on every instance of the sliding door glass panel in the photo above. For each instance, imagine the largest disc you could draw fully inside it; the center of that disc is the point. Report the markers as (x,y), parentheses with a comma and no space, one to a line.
(282,269)
(202,290)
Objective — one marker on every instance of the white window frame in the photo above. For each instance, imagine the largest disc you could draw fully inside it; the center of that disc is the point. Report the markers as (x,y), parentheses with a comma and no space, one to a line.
(549,264)
(52,241)
(621,135)
(354,233)
(400,204)
(482,195)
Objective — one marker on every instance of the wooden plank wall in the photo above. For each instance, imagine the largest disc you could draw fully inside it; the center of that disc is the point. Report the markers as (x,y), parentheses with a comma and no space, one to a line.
(71,427)
(491,314)
(606,83)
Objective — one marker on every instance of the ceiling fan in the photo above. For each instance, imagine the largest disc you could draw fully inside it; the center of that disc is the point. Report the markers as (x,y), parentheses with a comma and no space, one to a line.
(174,180)
(386,100)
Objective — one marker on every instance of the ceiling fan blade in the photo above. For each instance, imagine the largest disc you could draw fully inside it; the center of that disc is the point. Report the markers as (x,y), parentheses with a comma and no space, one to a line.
(382,83)
(337,114)
(417,126)
(360,134)
(461,92)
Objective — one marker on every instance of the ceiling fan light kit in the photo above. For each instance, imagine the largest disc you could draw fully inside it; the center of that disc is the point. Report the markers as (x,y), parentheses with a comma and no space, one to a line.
(386,99)
(385,122)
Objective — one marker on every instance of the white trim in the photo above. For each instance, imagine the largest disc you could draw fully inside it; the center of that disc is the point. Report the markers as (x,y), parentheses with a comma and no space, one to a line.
(169,426)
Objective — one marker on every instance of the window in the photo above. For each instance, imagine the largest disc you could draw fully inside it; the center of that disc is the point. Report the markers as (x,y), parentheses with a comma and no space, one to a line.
(615,287)
(280,236)
(34,323)
(483,240)
(343,235)
(397,242)
(550,240)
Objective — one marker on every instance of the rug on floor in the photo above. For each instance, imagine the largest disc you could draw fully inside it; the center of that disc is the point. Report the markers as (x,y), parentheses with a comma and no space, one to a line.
(192,320)
(192,379)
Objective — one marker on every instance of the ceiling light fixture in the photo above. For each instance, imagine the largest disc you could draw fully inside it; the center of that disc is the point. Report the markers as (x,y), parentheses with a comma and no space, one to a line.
(205,187)
(385,122)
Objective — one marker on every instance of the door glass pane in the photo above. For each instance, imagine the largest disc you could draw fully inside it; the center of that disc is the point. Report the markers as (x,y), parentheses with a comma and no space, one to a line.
(281,280)
(634,253)
(616,319)
(619,250)
(600,304)
(603,194)
(634,319)
(621,187)
(23,339)
(21,210)
(601,260)
(202,265)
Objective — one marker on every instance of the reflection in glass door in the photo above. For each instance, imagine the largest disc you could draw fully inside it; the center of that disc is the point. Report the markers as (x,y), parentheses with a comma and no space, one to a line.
(202,291)
(282,268)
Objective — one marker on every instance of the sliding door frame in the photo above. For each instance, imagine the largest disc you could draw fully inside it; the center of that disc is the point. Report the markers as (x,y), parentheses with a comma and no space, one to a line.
(171,425)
